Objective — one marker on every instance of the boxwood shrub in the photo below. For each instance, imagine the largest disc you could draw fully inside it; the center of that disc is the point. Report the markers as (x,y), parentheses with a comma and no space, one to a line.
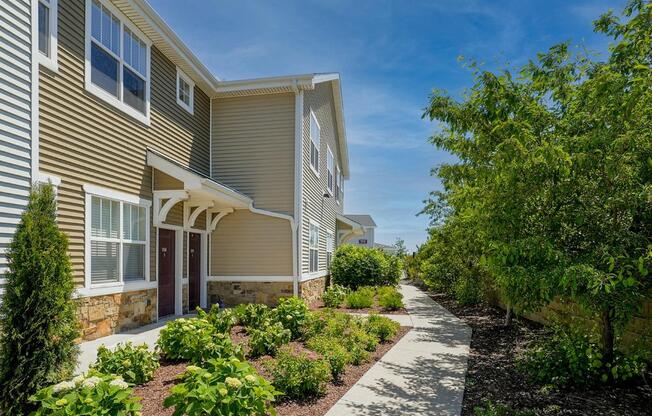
(355,266)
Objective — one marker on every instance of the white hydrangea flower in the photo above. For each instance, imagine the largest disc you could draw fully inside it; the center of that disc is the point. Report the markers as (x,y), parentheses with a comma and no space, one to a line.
(78,379)
(91,382)
(233,382)
(63,386)
(250,378)
(119,383)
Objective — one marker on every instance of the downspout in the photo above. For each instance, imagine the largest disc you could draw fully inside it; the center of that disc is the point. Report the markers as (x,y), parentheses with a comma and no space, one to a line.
(298,185)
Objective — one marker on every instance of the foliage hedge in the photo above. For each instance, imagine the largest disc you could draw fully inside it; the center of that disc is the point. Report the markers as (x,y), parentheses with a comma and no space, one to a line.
(354,266)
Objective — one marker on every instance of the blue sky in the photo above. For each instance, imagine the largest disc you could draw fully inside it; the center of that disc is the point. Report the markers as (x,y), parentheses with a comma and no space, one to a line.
(390,55)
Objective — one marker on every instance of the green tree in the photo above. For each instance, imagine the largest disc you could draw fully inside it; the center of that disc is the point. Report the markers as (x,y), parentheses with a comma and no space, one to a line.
(37,313)
(553,176)
(401,250)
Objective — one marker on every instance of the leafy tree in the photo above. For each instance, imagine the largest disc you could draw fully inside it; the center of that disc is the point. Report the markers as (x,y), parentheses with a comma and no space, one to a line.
(554,173)
(401,250)
(37,314)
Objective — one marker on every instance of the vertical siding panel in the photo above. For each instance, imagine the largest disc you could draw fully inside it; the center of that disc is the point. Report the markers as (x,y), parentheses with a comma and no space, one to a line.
(15,119)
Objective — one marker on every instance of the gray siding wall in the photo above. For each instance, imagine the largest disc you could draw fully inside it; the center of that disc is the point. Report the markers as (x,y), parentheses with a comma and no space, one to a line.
(15,118)
(315,207)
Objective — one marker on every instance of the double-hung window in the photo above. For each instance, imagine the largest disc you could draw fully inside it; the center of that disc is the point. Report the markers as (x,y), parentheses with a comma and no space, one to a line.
(185,91)
(330,246)
(314,247)
(117,240)
(117,60)
(330,167)
(47,33)
(315,140)
(337,183)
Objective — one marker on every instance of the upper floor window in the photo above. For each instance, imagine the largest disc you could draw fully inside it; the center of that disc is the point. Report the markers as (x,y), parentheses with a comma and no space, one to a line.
(338,183)
(47,33)
(314,246)
(117,60)
(315,140)
(330,166)
(185,91)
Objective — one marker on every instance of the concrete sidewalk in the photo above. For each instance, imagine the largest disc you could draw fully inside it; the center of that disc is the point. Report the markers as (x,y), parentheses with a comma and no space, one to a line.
(423,374)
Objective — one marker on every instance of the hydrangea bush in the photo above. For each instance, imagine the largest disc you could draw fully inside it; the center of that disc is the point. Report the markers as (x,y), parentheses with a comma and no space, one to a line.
(291,313)
(91,394)
(135,364)
(267,340)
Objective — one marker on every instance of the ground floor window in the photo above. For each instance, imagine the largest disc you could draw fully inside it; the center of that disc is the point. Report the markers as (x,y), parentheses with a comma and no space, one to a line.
(330,247)
(314,247)
(118,240)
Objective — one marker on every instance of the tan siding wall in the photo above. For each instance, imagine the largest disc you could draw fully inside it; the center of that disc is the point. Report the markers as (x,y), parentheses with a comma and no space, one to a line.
(253,148)
(164,182)
(321,102)
(84,140)
(246,244)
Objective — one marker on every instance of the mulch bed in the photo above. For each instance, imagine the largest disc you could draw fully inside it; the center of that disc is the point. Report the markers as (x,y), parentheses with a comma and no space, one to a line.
(492,373)
(318,305)
(155,391)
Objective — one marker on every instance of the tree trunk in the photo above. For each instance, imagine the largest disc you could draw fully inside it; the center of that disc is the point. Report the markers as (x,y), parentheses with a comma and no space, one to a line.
(508,315)
(607,336)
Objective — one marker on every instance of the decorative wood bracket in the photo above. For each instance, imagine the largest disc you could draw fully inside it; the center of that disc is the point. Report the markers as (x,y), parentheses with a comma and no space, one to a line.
(215,216)
(190,216)
(171,198)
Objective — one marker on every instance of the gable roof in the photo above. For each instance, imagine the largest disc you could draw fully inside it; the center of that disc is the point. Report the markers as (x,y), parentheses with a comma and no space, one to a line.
(362,219)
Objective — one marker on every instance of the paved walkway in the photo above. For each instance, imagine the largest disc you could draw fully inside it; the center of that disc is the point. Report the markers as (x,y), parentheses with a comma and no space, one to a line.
(423,374)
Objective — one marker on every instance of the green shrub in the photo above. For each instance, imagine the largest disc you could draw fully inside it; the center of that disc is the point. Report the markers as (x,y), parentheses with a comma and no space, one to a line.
(298,375)
(195,340)
(569,357)
(223,387)
(383,328)
(361,298)
(267,340)
(492,409)
(94,394)
(291,313)
(253,315)
(135,364)
(467,291)
(333,351)
(390,298)
(354,266)
(334,296)
(37,313)
(221,319)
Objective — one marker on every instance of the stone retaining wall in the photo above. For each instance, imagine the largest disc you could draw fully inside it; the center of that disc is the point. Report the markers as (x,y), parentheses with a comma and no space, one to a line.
(311,290)
(105,315)
(234,293)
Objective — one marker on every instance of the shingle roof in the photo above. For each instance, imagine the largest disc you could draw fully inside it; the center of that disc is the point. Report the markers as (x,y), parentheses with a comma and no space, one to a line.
(362,219)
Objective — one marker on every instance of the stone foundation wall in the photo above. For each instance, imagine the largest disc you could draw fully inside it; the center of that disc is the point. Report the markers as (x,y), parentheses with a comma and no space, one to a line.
(234,293)
(311,290)
(107,314)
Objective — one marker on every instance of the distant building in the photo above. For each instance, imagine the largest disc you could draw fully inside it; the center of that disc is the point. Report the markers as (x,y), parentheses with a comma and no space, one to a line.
(367,239)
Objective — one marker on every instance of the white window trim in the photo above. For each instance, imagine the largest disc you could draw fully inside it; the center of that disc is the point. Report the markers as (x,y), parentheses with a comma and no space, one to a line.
(329,249)
(310,247)
(50,62)
(315,170)
(189,108)
(95,289)
(338,179)
(328,170)
(99,92)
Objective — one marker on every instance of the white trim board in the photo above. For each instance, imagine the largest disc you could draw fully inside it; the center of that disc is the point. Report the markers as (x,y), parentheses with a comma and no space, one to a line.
(260,279)
(311,276)
(108,289)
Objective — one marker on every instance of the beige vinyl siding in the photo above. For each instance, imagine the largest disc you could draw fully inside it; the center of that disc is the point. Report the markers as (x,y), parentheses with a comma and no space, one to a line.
(253,148)
(247,244)
(15,120)
(320,101)
(86,141)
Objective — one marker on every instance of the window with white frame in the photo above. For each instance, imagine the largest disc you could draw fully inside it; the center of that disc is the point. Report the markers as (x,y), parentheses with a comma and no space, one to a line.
(341,193)
(315,140)
(330,247)
(118,61)
(314,247)
(330,167)
(337,183)
(185,91)
(47,33)
(118,240)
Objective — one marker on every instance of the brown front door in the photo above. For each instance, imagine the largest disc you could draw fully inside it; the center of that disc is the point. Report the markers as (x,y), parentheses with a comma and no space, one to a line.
(194,266)
(166,271)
